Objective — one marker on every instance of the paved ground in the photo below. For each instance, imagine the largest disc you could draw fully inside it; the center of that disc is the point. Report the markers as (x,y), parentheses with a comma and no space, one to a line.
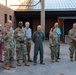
(64,67)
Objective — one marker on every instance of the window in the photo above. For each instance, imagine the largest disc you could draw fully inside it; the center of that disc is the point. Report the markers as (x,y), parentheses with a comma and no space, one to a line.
(5,18)
(10,17)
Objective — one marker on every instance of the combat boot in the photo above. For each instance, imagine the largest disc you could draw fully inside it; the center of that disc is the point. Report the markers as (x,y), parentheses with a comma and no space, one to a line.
(35,63)
(71,59)
(18,63)
(75,59)
(23,61)
(26,64)
(56,60)
(42,63)
(52,61)
(12,66)
(6,67)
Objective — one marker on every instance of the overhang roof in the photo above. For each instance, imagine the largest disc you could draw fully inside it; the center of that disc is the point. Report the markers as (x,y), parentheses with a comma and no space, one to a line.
(51,5)
(57,4)
(52,8)
(35,14)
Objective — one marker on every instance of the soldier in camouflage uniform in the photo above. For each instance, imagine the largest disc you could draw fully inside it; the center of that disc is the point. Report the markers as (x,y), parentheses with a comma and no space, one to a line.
(20,37)
(72,36)
(58,31)
(8,36)
(38,38)
(53,38)
(1,42)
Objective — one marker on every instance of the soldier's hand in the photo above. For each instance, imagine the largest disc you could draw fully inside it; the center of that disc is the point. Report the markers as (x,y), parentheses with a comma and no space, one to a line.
(51,44)
(75,39)
(7,35)
(49,35)
(19,34)
(16,50)
(22,41)
(1,35)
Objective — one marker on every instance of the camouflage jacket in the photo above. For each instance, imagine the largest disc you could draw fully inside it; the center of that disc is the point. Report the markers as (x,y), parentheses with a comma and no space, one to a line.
(20,38)
(53,39)
(8,34)
(72,34)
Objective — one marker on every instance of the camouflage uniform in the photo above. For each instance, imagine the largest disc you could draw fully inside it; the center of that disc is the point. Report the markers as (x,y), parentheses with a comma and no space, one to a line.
(72,48)
(54,45)
(20,43)
(58,39)
(8,45)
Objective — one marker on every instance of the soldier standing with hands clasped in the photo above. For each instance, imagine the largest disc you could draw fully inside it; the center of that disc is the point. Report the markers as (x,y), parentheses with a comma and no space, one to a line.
(20,37)
(53,38)
(72,36)
(38,38)
(8,35)
(58,31)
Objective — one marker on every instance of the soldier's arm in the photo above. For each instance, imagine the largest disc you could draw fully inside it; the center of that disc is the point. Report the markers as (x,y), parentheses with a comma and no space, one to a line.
(24,35)
(31,33)
(15,34)
(33,37)
(2,33)
(71,35)
(50,30)
(43,37)
(5,35)
(50,35)
(50,39)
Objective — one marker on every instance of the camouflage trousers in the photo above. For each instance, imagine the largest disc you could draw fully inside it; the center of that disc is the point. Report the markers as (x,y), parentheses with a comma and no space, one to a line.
(72,49)
(58,51)
(8,53)
(21,50)
(28,45)
(54,52)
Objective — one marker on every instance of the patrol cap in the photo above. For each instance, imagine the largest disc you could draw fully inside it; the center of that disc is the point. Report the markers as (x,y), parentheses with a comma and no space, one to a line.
(20,22)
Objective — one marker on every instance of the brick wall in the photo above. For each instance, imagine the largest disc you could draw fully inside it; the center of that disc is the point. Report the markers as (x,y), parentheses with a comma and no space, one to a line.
(9,12)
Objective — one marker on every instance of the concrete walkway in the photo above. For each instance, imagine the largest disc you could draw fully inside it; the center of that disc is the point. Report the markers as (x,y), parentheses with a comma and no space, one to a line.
(64,67)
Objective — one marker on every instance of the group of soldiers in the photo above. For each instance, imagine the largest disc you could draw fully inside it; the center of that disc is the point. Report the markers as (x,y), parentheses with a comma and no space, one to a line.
(14,38)
(54,39)
(20,39)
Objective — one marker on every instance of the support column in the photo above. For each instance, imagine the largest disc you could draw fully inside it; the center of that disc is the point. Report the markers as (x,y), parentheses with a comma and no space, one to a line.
(63,32)
(6,3)
(43,15)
